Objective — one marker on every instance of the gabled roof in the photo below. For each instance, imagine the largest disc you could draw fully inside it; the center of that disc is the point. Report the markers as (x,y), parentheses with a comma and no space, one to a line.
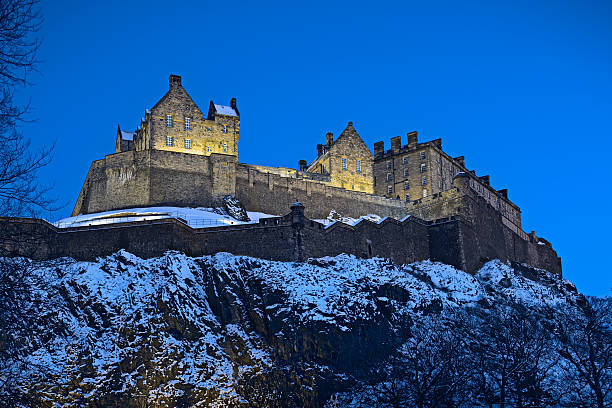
(345,133)
(225,110)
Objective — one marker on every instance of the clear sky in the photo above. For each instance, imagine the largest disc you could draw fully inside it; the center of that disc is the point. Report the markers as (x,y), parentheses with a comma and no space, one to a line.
(523,89)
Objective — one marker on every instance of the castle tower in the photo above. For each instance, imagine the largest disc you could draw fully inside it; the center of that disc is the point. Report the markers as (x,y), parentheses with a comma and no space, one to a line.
(176,123)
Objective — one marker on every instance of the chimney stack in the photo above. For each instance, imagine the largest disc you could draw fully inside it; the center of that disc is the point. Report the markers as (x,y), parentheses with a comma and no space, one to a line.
(379,149)
(413,139)
(175,80)
(319,150)
(460,160)
(329,138)
(396,144)
(302,165)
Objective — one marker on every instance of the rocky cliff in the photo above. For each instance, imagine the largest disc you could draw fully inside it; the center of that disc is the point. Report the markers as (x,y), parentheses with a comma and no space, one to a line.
(230,331)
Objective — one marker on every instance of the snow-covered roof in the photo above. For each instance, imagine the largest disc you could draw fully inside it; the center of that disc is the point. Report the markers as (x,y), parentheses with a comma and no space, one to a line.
(127,135)
(225,110)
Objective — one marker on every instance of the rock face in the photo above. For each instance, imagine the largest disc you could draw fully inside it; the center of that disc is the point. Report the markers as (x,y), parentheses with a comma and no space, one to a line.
(230,331)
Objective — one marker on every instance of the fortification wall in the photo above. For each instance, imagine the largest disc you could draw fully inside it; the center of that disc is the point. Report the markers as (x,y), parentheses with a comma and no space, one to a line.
(439,205)
(153,177)
(272,238)
(272,194)
(401,241)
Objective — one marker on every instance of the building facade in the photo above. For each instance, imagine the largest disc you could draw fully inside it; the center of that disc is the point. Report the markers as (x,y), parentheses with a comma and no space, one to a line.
(177,124)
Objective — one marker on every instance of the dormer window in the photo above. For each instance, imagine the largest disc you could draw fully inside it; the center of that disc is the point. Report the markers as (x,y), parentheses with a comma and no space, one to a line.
(224,128)
(344,163)
(187,123)
(169,120)
(358,165)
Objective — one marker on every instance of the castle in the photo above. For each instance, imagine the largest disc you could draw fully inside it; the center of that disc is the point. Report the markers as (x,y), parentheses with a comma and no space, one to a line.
(436,207)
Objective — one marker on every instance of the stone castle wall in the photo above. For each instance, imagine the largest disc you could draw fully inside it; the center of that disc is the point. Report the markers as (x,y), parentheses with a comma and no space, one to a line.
(272,193)
(154,177)
(455,241)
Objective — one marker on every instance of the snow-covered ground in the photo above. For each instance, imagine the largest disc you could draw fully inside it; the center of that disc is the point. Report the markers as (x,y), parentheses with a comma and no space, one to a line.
(194,217)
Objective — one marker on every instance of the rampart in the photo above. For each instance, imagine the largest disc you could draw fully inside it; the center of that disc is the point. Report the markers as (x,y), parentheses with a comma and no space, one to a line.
(270,193)
(154,177)
(459,241)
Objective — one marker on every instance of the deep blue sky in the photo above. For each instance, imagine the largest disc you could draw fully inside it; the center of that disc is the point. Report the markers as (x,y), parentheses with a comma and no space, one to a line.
(523,89)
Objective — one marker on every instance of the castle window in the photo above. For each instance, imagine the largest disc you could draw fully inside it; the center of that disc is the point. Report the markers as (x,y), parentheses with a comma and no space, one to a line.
(187,143)
(407,197)
(358,165)
(424,192)
(225,147)
(423,168)
(169,141)
(424,181)
(389,164)
(406,185)
(344,163)
(169,120)
(422,155)
(187,123)
(389,177)
(224,128)
(405,160)
(390,190)
(405,172)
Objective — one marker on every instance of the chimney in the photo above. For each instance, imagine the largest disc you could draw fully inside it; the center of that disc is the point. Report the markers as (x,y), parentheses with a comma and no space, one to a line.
(503,192)
(175,80)
(460,160)
(329,138)
(302,165)
(234,106)
(319,150)
(486,179)
(413,139)
(379,149)
(396,144)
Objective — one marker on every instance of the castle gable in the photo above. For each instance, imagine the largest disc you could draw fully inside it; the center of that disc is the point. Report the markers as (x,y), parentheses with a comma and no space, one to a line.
(176,100)
(348,161)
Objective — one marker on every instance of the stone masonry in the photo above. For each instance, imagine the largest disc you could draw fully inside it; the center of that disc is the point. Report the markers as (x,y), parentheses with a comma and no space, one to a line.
(180,157)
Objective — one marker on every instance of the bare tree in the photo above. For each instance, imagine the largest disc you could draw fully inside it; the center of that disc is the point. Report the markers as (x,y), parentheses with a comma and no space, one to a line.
(20,192)
(586,348)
